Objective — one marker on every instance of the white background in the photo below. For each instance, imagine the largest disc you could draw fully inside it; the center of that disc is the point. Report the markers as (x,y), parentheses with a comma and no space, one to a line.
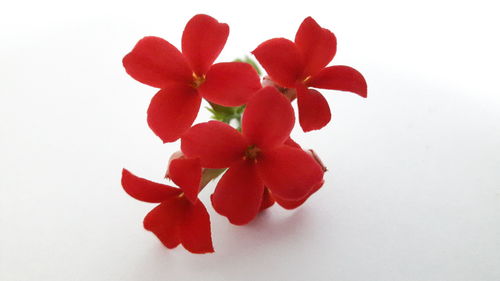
(413,191)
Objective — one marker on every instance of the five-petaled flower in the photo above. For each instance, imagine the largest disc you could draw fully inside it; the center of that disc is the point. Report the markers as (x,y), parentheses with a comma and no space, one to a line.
(180,218)
(184,78)
(302,64)
(257,157)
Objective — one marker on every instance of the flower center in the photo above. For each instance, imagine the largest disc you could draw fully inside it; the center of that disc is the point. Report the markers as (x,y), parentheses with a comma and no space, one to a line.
(252,152)
(306,79)
(198,80)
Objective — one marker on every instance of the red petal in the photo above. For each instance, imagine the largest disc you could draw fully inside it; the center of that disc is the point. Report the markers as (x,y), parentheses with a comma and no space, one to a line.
(186,173)
(176,155)
(292,143)
(230,83)
(289,173)
(340,77)
(314,112)
(145,190)
(318,45)
(195,231)
(172,111)
(217,144)
(267,200)
(290,204)
(282,61)
(164,221)
(238,194)
(268,118)
(202,41)
(157,63)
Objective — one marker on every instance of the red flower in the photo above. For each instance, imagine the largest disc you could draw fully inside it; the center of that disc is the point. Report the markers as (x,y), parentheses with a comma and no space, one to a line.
(302,64)
(186,77)
(180,217)
(256,157)
(292,204)
(268,199)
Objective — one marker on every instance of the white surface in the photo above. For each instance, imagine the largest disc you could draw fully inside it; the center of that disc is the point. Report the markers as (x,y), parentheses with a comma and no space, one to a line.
(413,191)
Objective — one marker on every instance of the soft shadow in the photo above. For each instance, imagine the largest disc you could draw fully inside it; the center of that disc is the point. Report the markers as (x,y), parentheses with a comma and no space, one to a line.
(238,245)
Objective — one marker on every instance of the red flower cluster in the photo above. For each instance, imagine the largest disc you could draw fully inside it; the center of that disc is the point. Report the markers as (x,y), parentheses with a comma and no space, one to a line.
(260,162)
